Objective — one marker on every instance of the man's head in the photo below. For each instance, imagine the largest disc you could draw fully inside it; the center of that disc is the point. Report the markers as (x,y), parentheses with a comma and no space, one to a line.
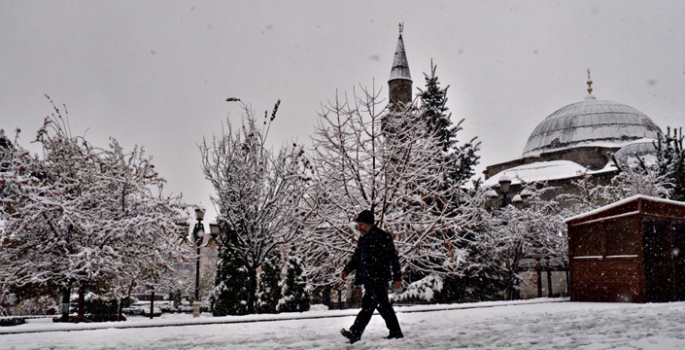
(365,221)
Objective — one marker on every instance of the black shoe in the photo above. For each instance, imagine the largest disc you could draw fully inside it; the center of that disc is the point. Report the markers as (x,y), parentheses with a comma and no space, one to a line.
(353,338)
(395,335)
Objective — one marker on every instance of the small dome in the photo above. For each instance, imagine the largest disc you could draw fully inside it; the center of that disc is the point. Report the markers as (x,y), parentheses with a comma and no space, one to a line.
(590,122)
(643,148)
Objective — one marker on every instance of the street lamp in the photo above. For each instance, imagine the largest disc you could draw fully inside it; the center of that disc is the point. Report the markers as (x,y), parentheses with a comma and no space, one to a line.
(493,200)
(525,195)
(198,235)
(504,185)
(517,201)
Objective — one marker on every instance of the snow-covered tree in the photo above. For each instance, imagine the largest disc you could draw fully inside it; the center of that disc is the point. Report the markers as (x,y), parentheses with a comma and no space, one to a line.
(537,231)
(294,290)
(258,192)
(84,216)
(632,179)
(503,238)
(269,292)
(151,219)
(482,278)
(423,290)
(231,289)
(368,157)
(671,162)
(462,159)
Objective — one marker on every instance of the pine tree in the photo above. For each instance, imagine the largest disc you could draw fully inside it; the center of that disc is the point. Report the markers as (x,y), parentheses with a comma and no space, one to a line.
(434,111)
(269,292)
(671,162)
(460,160)
(229,296)
(296,297)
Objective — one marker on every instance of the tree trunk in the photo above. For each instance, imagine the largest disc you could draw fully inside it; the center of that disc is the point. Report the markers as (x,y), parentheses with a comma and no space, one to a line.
(538,269)
(120,311)
(66,299)
(152,304)
(568,280)
(81,303)
(549,282)
(252,290)
(121,301)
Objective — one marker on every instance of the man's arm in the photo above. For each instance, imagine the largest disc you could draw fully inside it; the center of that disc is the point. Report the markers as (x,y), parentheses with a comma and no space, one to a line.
(394,261)
(351,265)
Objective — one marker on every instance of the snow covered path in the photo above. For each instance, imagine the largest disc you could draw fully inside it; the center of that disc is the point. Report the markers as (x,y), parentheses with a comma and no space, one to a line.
(565,325)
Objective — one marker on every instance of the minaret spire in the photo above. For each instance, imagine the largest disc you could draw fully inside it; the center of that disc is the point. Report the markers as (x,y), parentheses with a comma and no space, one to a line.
(400,65)
(400,82)
(589,96)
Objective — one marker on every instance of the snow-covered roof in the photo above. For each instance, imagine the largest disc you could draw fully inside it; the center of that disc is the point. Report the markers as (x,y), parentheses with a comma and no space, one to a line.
(643,148)
(538,171)
(400,65)
(590,122)
(624,201)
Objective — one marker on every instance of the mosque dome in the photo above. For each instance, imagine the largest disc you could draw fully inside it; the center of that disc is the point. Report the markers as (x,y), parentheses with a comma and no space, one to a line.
(645,149)
(590,122)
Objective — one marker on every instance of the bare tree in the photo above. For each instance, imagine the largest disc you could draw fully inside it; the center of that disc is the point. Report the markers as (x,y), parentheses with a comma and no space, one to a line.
(258,192)
(385,160)
(504,238)
(85,216)
(632,179)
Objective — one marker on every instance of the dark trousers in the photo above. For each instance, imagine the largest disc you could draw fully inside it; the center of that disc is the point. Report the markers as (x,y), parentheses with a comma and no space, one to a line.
(375,297)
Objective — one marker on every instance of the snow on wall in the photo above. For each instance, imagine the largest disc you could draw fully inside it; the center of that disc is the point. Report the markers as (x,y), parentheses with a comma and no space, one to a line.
(538,171)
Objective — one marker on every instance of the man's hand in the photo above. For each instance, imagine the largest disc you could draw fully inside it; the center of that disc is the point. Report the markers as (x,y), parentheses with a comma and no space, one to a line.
(398,285)
(343,275)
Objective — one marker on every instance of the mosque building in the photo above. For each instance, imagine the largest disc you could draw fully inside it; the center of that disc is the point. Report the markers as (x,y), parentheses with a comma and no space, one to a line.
(577,140)
(574,141)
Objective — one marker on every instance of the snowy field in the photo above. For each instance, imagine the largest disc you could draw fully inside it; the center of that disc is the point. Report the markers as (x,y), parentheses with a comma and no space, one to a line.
(558,325)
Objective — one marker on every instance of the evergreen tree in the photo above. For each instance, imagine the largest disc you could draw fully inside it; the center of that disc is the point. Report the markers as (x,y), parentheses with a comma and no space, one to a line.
(269,292)
(434,111)
(296,297)
(671,162)
(461,160)
(229,296)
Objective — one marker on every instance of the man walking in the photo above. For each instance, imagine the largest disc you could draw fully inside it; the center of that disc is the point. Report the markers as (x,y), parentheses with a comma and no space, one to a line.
(374,257)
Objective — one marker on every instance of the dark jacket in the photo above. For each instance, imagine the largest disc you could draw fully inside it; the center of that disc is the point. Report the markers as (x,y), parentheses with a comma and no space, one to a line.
(374,257)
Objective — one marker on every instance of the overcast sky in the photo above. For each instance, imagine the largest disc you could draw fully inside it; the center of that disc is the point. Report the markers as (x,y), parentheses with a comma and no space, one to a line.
(157,73)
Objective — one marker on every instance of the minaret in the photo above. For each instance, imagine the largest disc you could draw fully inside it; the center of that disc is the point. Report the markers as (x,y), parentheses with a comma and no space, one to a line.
(400,80)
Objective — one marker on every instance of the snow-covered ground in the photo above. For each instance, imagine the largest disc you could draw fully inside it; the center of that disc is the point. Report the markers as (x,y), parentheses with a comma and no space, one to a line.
(558,325)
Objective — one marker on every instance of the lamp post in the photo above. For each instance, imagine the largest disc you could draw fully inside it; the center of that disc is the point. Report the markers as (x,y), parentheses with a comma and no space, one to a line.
(198,235)
(504,186)
(493,200)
